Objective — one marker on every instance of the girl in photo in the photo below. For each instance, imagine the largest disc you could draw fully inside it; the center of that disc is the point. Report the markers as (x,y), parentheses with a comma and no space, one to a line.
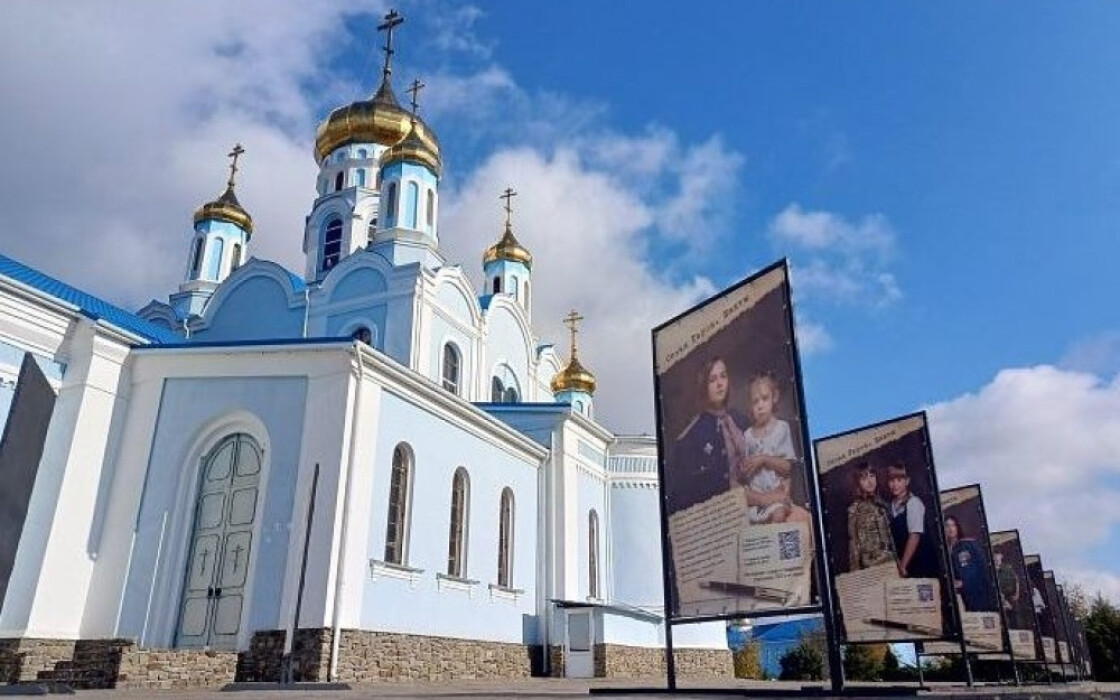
(768,466)
(869,528)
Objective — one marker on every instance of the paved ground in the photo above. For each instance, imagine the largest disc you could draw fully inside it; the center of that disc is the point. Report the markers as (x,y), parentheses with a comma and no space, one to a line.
(551,689)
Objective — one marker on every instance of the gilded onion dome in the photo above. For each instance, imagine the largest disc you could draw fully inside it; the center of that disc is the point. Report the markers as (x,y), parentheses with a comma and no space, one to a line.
(508,248)
(226,207)
(413,149)
(379,120)
(574,377)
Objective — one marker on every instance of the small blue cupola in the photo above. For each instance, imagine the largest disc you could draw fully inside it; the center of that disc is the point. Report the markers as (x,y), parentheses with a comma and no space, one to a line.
(574,384)
(507,264)
(407,228)
(219,245)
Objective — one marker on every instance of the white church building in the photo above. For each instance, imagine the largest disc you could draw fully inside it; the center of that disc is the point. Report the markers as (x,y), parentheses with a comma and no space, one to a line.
(367,469)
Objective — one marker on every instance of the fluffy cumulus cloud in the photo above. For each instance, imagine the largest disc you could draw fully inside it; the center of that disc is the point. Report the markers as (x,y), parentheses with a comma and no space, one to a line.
(119,117)
(1044,443)
(836,259)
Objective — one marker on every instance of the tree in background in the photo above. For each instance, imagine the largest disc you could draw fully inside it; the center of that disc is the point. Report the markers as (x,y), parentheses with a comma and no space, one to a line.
(863,662)
(748,663)
(804,662)
(1102,631)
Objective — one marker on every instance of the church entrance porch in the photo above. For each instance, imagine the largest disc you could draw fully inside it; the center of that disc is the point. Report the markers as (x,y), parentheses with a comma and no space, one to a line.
(220,546)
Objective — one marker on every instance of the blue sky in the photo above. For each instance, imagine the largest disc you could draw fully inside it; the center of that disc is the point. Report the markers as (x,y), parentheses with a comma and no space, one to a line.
(945,179)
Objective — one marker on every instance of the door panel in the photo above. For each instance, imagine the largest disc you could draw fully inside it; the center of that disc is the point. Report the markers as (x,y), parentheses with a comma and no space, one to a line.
(221,545)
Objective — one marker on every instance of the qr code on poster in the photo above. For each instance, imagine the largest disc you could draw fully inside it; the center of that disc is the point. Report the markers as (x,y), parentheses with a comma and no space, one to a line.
(789,545)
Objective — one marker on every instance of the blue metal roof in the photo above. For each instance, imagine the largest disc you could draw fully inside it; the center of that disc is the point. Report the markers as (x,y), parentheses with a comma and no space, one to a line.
(89,305)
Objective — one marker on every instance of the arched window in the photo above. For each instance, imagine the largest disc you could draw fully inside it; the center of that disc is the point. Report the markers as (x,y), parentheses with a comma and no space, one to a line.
(593,554)
(196,259)
(505,539)
(236,257)
(411,204)
(362,334)
(332,244)
(510,395)
(430,209)
(391,205)
(338,181)
(497,285)
(217,248)
(361,177)
(457,536)
(396,530)
(363,153)
(514,287)
(451,368)
(496,390)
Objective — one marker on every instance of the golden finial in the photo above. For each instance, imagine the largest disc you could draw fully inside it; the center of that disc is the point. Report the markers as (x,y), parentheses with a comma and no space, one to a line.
(234,155)
(392,20)
(574,376)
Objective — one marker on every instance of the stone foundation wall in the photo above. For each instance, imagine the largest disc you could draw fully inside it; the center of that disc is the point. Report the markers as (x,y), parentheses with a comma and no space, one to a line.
(621,661)
(365,657)
(112,663)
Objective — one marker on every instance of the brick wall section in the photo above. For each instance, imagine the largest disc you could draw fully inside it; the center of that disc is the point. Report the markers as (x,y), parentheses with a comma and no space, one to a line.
(113,663)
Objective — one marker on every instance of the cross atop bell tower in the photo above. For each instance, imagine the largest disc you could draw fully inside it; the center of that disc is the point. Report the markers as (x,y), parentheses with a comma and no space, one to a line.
(392,20)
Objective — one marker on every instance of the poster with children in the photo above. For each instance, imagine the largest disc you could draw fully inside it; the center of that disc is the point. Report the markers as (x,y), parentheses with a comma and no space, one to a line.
(1015,595)
(1043,609)
(974,577)
(884,534)
(732,439)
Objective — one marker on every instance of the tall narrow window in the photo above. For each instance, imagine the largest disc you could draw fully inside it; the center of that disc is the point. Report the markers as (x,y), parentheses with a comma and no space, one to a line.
(456,540)
(514,286)
(196,260)
(236,257)
(497,285)
(363,153)
(430,209)
(510,395)
(411,204)
(332,244)
(505,539)
(451,368)
(217,248)
(338,180)
(361,177)
(593,554)
(391,205)
(526,294)
(372,230)
(496,390)
(396,532)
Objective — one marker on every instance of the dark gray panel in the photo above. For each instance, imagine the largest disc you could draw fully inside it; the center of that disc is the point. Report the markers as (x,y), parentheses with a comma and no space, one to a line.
(20,452)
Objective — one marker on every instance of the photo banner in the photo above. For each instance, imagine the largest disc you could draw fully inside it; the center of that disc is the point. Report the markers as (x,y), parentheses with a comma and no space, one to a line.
(1047,642)
(974,577)
(1061,639)
(732,439)
(883,534)
(1070,629)
(1015,596)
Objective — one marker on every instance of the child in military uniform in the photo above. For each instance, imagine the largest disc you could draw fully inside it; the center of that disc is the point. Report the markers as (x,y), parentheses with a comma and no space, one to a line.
(869,530)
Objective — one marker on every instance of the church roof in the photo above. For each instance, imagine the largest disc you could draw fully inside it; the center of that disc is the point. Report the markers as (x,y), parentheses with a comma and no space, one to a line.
(89,305)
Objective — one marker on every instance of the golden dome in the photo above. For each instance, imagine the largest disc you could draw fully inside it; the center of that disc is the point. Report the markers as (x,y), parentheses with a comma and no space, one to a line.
(413,149)
(226,208)
(379,120)
(574,377)
(508,248)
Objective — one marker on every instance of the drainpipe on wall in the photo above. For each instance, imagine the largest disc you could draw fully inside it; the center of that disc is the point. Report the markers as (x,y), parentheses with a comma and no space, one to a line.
(340,577)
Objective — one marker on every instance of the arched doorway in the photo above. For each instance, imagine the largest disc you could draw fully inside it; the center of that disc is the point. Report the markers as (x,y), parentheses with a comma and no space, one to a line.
(220,545)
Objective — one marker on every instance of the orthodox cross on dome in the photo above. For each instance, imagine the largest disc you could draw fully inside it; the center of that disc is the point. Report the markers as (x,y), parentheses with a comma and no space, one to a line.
(234,155)
(417,86)
(392,20)
(571,321)
(508,195)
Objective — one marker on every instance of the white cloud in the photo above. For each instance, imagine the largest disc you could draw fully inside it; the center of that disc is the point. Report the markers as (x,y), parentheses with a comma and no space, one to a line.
(119,117)
(1099,354)
(837,260)
(812,338)
(1044,443)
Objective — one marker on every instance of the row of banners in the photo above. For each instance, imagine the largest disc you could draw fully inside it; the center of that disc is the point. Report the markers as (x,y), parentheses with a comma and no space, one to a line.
(743,511)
